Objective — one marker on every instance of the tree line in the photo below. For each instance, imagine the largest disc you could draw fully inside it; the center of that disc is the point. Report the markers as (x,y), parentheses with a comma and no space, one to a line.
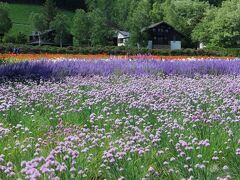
(212,22)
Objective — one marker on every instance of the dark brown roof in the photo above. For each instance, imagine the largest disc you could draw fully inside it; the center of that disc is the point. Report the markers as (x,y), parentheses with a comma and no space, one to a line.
(156,24)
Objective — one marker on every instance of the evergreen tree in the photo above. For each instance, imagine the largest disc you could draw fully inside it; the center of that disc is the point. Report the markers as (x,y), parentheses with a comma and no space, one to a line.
(80,27)
(138,18)
(50,10)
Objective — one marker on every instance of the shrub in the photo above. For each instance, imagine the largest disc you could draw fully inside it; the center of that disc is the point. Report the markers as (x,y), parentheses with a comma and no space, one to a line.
(9,38)
(21,38)
(113,50)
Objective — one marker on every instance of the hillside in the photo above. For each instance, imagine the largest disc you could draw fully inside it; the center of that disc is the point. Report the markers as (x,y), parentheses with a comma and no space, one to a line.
(20,16)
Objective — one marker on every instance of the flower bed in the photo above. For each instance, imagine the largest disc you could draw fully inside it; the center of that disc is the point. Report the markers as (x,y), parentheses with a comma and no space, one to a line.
(49,69)
(121,127)
(34,57)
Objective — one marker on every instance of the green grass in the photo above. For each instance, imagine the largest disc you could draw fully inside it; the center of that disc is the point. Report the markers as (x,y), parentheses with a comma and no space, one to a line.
(20,15)
(38,119)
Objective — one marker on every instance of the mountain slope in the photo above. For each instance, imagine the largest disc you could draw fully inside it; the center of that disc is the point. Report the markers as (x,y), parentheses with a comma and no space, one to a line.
(20,16)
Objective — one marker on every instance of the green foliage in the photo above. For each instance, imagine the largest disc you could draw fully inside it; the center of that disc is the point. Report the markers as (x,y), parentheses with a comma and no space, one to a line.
(5,21)
(216,25)
(21,17)
(114,50)
(138,19)
(19,38)
(61,24)
(220,27)
(120,13)
(9,38)
(157,13)
(80,27)
(39,21)
(99,31)
(184,15)
(50,10)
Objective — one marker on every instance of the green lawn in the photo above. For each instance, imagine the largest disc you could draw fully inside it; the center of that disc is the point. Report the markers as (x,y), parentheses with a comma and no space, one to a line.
(20,16)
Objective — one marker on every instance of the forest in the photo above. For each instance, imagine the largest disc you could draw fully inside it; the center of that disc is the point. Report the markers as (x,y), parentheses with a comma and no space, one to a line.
(212,22)
(75,4)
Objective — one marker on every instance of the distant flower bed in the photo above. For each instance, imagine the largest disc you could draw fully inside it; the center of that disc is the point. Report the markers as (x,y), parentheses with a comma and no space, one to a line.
(60,57)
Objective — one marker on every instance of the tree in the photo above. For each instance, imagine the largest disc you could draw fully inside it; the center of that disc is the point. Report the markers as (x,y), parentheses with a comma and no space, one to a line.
(157,12)
(5,21)
(220,27)
(91,4)
(80,27)
(100,32)
(50,10)
(120,12)
(184,15)
(138,18)
(39,21)
(61,24)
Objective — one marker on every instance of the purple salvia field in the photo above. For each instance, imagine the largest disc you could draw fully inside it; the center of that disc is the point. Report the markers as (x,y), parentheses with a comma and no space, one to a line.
(120,120)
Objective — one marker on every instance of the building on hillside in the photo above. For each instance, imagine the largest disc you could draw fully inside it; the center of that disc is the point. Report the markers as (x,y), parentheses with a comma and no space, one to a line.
(42,38)
(163,36)
(122,38)
(47,38)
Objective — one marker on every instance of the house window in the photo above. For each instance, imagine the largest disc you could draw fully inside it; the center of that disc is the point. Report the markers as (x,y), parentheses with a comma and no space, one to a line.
(120,40)
(174,38)
(160,40)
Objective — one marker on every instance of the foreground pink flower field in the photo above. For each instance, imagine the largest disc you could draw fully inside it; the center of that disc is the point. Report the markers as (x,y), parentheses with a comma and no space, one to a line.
(171,124)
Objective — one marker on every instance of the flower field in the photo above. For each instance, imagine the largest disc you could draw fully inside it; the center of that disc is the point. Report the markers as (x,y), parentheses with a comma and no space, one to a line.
(59,57)
(118,119)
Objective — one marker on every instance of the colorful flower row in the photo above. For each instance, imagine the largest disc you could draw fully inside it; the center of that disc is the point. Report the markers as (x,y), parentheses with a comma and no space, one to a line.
(33,57)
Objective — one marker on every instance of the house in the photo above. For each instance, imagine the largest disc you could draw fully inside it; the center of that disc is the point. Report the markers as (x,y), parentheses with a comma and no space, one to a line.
(122,38)
(47,38)
(42,38)
(201,45)
(163,36)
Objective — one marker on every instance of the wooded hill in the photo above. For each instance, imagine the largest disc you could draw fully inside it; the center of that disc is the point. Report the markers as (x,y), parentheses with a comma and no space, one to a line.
(85,4)
(212,22)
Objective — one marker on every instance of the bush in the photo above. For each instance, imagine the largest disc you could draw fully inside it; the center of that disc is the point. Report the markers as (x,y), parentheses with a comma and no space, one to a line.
(113,50)
(9,38)
(18,38)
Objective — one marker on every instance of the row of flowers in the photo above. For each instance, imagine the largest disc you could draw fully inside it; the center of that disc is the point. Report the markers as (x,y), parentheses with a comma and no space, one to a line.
(33,57)
(49,69)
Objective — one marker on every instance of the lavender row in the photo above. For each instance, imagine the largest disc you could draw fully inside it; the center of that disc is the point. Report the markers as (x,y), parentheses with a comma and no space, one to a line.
(60,69)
